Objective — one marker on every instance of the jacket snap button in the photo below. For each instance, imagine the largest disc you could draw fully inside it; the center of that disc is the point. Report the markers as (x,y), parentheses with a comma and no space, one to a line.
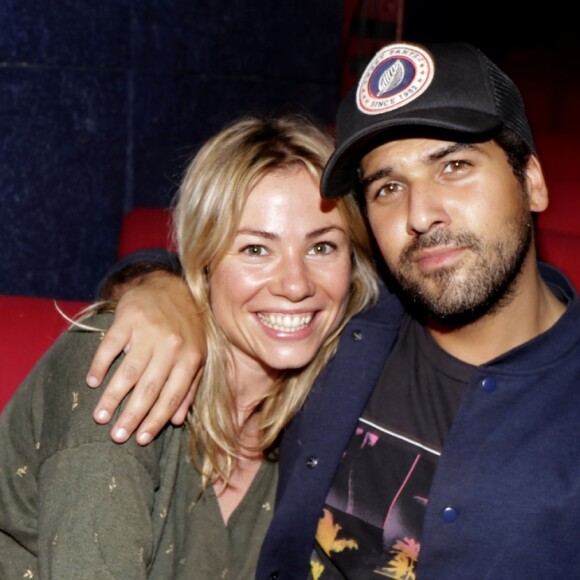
(312,462)
(449,515)
(489,384)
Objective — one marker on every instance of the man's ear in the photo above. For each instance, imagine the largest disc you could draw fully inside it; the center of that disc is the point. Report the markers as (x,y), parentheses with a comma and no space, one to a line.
(536,184)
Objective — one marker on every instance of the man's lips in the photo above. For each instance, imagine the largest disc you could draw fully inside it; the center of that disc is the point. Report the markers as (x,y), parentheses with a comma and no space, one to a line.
(433,258)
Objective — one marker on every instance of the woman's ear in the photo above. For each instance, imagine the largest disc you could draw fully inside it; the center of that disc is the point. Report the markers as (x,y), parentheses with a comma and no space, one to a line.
(536,183)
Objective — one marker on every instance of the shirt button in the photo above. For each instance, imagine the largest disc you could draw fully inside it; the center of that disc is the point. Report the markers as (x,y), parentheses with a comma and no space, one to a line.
(357,335)
(312,462)
(449,515)
(274,576)
(489,384)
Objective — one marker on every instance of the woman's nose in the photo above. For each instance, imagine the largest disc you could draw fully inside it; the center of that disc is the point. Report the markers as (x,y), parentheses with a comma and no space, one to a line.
(293,279)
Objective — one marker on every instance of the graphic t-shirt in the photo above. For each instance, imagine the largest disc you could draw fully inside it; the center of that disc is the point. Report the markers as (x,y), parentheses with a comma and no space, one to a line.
(373,517)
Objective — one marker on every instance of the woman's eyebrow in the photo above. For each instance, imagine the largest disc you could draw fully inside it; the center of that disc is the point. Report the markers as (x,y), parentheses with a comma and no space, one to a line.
(322,231)
(257,233)
(272,236)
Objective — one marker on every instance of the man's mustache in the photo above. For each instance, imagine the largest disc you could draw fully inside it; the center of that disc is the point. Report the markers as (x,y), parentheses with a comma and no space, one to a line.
(441,238)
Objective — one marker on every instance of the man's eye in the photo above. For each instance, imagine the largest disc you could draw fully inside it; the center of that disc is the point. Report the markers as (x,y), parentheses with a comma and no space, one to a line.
(387,189)
(456,166)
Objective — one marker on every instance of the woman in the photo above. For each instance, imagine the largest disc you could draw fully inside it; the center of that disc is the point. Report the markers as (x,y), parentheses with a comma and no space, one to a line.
(274,272)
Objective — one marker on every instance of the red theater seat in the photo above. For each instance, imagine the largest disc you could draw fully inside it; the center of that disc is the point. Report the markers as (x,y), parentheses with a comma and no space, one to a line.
(563,211)
(143,228)
(561,250)
(559,155)
(31,324)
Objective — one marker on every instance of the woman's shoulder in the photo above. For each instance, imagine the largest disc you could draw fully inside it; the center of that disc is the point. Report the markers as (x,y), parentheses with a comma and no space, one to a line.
(68,359)
(54,401)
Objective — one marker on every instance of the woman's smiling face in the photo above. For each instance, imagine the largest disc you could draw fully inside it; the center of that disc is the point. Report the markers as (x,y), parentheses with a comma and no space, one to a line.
(282,286)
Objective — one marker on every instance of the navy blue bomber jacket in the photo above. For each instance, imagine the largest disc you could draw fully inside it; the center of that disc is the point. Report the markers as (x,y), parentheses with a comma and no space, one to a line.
(505,500)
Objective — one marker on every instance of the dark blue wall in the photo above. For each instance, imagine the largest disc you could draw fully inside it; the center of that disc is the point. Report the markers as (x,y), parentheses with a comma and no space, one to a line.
(102,103)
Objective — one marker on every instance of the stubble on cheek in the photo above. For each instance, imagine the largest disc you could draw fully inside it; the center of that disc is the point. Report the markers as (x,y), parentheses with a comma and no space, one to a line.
(479,283)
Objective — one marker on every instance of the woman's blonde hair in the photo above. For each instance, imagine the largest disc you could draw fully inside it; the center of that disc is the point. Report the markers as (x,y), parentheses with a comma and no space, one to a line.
(207,213)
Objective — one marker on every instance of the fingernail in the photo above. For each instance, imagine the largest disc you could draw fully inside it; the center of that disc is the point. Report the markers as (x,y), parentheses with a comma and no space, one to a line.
(103,416)
(92,381)
(143,438)
(120,434)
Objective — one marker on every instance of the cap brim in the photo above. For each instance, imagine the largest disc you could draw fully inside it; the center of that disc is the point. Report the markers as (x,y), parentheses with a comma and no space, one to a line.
(340,174)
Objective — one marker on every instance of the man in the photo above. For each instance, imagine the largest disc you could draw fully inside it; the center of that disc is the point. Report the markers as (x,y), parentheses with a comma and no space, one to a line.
(442,440)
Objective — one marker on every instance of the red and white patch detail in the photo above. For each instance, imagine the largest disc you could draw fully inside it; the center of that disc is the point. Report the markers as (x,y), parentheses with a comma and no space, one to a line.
(398,74)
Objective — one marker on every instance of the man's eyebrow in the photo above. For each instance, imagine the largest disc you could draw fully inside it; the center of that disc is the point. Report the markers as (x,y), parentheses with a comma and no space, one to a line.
(430,158)
(380,174)
(450,149)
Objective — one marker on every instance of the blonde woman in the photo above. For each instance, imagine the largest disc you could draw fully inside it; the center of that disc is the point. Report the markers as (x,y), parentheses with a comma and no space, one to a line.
(275,272)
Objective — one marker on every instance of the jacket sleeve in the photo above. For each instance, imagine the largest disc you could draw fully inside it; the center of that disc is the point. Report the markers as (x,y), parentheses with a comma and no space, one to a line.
(94,515)
(134,265)
(78,501)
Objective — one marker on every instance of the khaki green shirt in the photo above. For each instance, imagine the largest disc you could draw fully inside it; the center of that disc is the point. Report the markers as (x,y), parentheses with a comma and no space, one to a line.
(76,505)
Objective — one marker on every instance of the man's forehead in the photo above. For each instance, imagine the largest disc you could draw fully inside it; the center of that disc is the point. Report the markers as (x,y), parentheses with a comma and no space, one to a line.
(424,150)
(397,151)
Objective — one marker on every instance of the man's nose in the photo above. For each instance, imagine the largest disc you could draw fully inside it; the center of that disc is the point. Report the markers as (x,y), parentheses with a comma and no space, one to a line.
(425,209)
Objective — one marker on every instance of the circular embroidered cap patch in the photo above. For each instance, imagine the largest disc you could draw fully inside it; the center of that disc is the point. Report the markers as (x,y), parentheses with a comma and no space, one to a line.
(397,75)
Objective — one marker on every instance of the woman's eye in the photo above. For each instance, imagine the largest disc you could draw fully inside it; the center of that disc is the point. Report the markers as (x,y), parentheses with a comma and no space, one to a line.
(254,250)
(322,248)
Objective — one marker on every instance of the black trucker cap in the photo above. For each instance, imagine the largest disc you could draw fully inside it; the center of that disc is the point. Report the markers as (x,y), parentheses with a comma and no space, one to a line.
(451,91)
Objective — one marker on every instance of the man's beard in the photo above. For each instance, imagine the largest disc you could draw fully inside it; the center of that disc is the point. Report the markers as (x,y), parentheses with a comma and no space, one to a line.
(454,300)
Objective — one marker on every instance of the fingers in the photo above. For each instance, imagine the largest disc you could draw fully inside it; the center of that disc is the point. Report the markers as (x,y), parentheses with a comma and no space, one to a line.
(123,380)
(158,327)
(146,368)
(114,342)
(180,415)
(151,407)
